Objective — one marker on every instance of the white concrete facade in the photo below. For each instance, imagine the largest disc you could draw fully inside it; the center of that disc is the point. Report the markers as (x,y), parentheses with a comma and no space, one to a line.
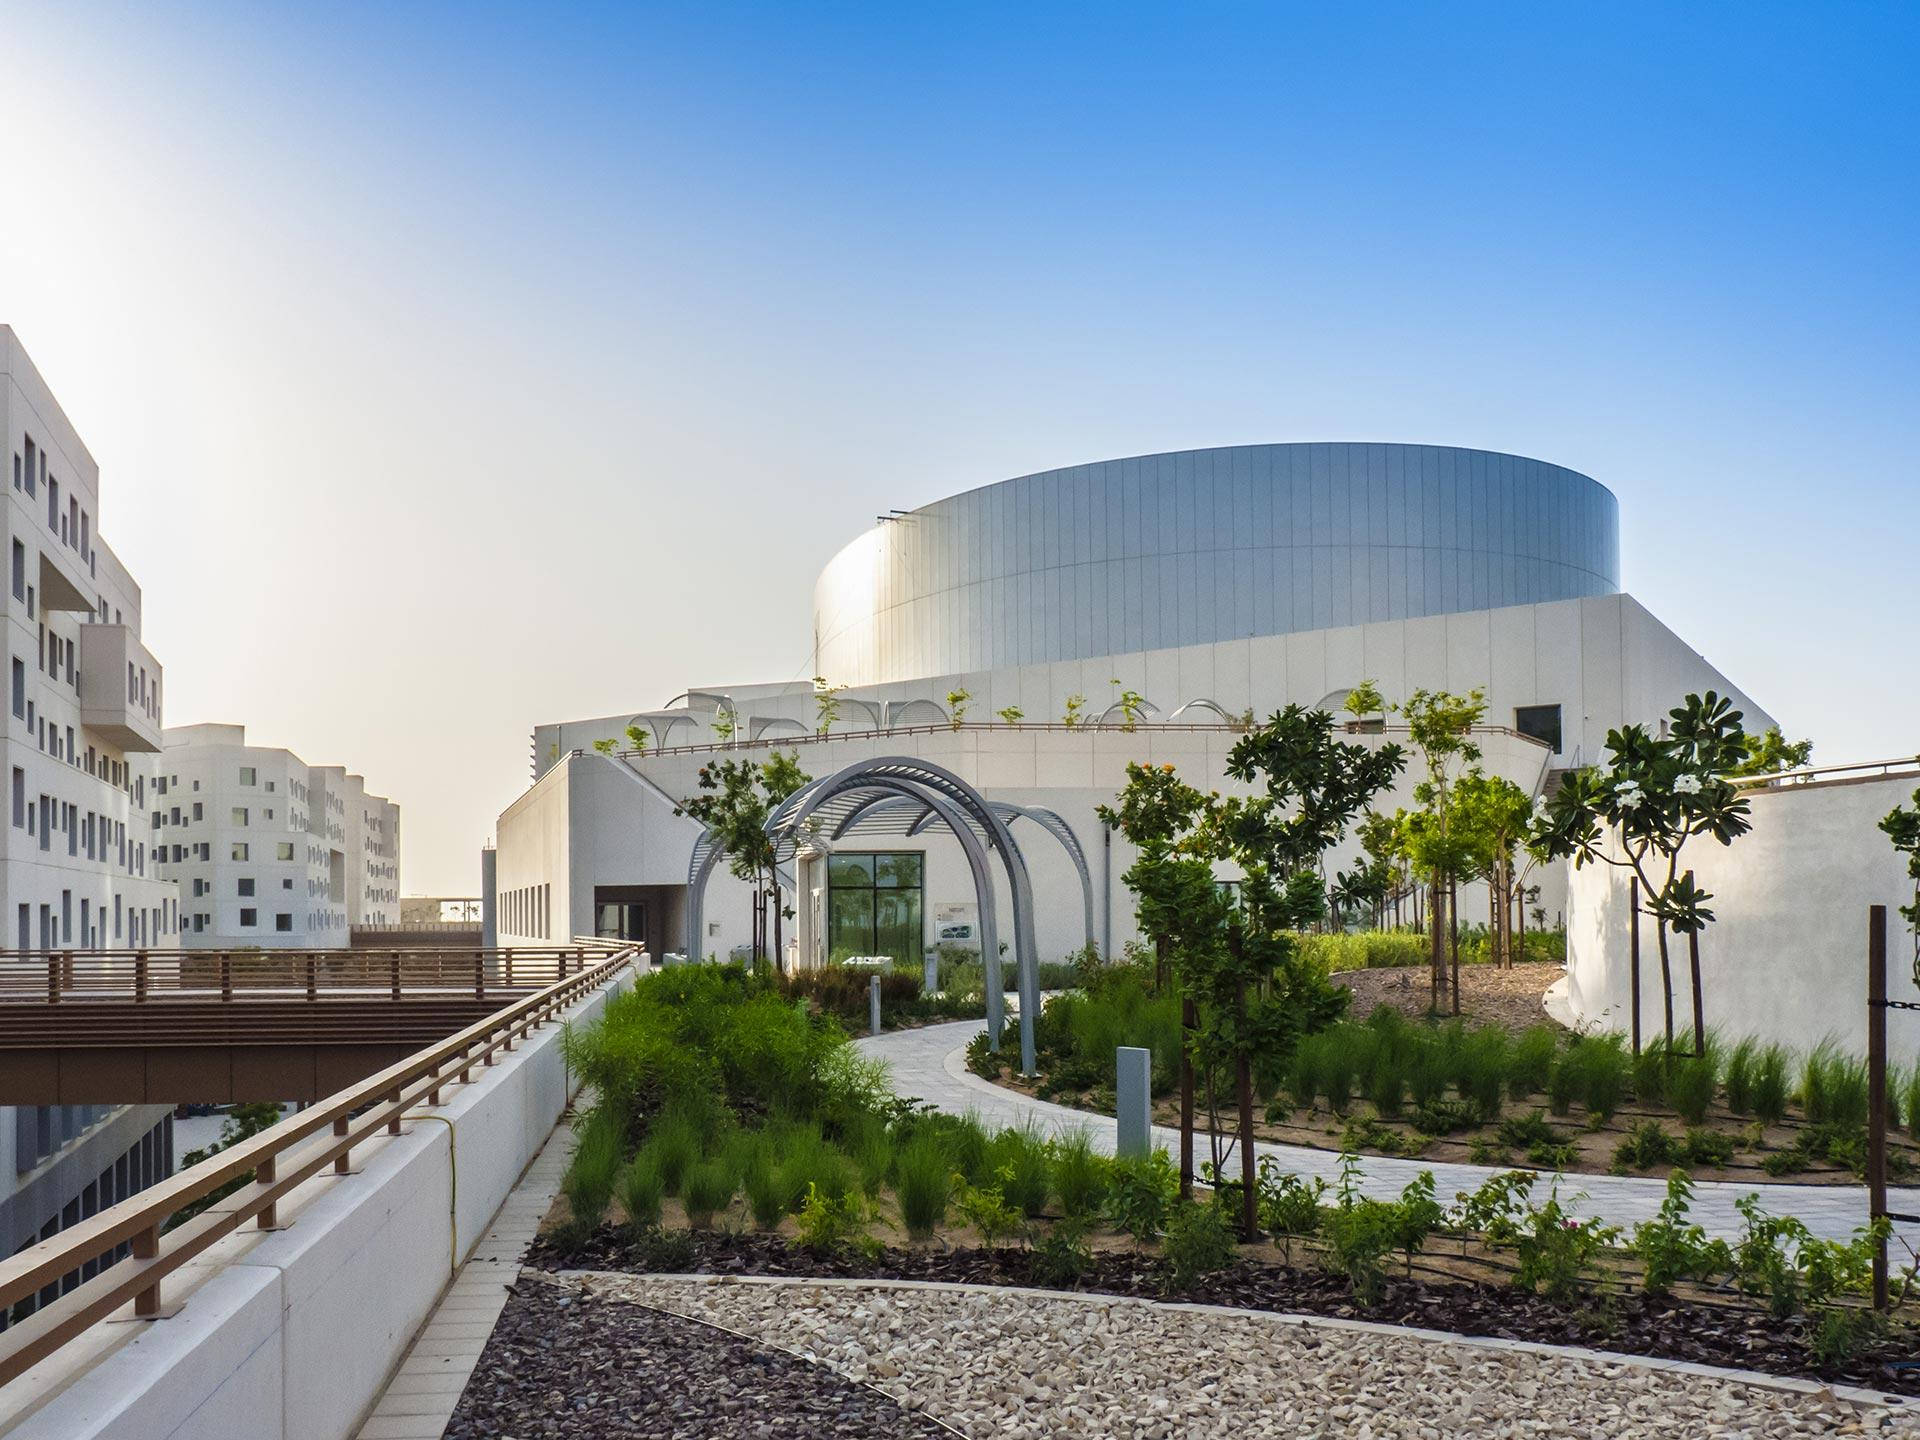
(1786,956)
(266,849)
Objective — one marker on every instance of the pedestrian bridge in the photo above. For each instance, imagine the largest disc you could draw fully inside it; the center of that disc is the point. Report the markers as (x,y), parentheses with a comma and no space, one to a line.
(282,1307)
(81,1027)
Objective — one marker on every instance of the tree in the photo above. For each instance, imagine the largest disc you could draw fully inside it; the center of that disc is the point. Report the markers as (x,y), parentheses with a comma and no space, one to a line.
(1770,752)
(826,704)
(1132,703)
(1363,700)
(1075,704)
(957,701)
(1654,794)
(1494,816)
(1441,729)
(1902,827)
(738,796)
(1012,715)
(638,739)
(605,747)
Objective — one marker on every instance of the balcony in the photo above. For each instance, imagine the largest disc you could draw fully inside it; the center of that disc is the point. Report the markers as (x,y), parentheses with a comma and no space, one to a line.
(64,582)
(119,689)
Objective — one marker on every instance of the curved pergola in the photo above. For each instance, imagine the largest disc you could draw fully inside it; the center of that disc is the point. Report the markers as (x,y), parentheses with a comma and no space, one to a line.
(1147,707)
(760,726)
(909,816)
(893,712)
(1200,704)
(827,803)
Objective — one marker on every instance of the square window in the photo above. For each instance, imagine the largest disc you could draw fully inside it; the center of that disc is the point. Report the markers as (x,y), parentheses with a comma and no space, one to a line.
(240,850)
(239,815)
(1539,722)
(249,919)
(246,885)
(247,774)
(283,923)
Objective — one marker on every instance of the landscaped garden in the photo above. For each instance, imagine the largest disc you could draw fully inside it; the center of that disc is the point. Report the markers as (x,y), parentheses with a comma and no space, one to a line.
(1497,1093)
(733,1131)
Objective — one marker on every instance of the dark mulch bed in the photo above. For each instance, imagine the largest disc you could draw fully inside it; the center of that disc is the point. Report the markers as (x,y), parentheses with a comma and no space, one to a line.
(560,1365)
(1634,1324)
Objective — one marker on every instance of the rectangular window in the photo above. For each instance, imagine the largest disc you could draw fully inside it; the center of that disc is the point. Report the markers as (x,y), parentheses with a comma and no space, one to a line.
(19,688)
(247,773)
(249,919)
(19,571)
(283,922)
(874,906)
(239,849)
(19,799)
(198,810)
(239,815)
(246,886)
(1540,722)
(284,850)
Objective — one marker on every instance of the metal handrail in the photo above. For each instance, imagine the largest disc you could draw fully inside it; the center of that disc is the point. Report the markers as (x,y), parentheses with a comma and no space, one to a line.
(1898,767)
(352,1115)
(1179,727)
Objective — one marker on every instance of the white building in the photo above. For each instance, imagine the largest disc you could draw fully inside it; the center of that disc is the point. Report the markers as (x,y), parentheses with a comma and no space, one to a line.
(267,850)
(1005,633)
(76,866)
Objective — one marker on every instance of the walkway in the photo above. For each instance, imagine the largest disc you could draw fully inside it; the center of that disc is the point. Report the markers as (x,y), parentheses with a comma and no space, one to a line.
(930,1064)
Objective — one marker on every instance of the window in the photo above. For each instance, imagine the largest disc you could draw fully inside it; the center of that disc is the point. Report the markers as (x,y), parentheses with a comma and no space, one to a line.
(199,811)
(874,906)
(19,800)
(19,571)
(240,850)
(19,688)
(287,883)
(1541,722)
(283,922)
(284,850)
(246,886)
(247,773)
(249,919)
(239,815)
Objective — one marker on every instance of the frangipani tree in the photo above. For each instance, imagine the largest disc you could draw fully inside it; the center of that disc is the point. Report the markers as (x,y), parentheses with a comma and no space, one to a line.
(1639,810)
(1902,827)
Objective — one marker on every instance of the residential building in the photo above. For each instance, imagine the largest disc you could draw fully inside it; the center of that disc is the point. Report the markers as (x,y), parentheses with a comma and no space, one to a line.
(1035,635)
(267,850)
(77,870)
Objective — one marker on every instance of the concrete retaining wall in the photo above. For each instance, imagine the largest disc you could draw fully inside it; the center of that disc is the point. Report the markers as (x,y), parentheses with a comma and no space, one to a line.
(293,1334)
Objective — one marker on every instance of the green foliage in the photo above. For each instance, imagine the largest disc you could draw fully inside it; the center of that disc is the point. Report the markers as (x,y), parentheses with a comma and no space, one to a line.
(808,1163)
(957,702)
(1902,828)
(1833,1087)
(1023,1162)
(760,1177)
(1079,1032)
(736,799)
(1063,1256)
(922,1183)
(672,1147)
(1360,1233)
(1361,950)
(1012,715)
(1444,1117)
(1770,752)
(708,1189)
(985,1208)
(1598,1068)
(1530,1066)
(1557,1254)
(1646,1146)
(242,1122)
(1670,1248)
(1081,1175)
(639,1190)
(1522,1131)
(828,1223)
(1199,1242)
(1417,1214)
(588,1183)
(982,1059)
(1707,1148)
(1742,1062)
(1498,1208)
(1141,1192)
(1770,1085)
(1289,1205)
(1690,1086)
(842,993)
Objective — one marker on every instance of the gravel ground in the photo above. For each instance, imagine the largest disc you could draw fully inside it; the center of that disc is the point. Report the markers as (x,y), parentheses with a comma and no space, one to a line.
(1023,1367)
(1488,996)
(564,1364)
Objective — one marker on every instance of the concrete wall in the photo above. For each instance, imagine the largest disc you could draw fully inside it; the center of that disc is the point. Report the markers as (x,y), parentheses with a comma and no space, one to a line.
(1786,957)
(292,1334)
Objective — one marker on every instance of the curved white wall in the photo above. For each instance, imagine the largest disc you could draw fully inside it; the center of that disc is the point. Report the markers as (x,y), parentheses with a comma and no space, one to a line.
(1787,956)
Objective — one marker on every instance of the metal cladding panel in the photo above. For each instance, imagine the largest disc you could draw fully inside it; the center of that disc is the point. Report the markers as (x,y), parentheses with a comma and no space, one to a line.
(1200,546)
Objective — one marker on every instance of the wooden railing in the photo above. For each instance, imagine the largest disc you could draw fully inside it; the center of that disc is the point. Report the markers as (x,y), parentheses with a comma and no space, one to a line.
(77,976)
(306,1144)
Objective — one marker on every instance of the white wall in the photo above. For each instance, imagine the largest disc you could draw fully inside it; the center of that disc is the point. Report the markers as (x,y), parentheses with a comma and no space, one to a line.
(1786,956)
(293,1334)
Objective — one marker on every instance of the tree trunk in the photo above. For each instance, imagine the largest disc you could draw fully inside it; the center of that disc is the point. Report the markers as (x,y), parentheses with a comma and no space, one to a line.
(1666,978)
(1189,1022)
(1249,1194)
(779,951)
(1520,902)
(1699,1010)
(1436,921)
(1453,917)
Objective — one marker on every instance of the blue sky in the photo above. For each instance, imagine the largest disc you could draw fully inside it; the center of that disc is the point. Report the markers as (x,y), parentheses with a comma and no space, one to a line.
(586,339)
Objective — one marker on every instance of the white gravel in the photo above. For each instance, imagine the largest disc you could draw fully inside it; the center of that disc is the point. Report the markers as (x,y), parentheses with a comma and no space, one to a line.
(1017,1366)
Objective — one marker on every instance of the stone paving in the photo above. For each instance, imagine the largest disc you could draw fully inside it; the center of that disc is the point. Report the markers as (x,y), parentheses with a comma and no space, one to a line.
(1015,1363)
(930,1064)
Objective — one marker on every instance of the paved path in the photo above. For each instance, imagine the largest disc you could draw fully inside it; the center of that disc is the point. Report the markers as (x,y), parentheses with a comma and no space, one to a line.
(929,1064)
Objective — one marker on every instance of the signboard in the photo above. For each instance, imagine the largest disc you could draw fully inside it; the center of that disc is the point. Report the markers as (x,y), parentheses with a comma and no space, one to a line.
(956,923)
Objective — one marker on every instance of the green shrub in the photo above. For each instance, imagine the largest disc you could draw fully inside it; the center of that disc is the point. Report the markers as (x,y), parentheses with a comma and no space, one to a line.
(1550,1155)
(1426,1070)
(1063,1256)
(1563,1084)
(1289,1205)
(1364,950)
(1690,1087)
(674,1144)
(1645,1147)
(1530,1066)
(1650,1068)
(1671,1249)
(1444,1117)
(871,1149)
(842,992)
(1707,1148)
(1833,1087)
(1199,1242)
(1141,1191)
(922,1182)
(639,1190)
(1521,1131)
(1359,1234)
(1742,1062)
(1557,1254)
(1770,1085)
(1483,1070)
(588,1183)
(987,1210)
(1021,1161)
(808,1162)
(1603,1066)
(982,1059)
(1080,1175)
(1910,1100)
(767,1197)
(828,1223)
(709,1188)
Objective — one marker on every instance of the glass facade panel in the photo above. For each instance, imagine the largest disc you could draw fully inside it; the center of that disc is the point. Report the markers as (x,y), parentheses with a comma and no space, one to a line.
(874,906)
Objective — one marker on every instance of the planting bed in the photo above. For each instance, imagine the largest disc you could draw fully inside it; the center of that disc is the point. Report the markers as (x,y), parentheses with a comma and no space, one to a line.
(1633,1323)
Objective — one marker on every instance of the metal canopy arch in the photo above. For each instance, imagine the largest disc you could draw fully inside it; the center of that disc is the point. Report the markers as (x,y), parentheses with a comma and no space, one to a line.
(910,816)
(759,726)
(1147,707)
(1201,704)
(908,775)
(894,711)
